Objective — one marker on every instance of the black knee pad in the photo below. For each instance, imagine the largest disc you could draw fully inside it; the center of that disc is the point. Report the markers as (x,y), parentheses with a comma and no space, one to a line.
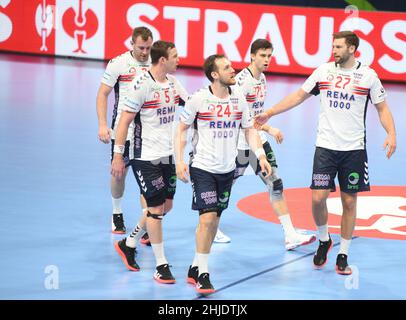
(203,211)
(278,185)
(276,192)
(155,216)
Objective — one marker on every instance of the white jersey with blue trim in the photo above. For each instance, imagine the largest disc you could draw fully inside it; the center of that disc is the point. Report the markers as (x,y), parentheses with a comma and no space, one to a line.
(119,73)
(344,95)
(155,104)
(255,93)
(217,123)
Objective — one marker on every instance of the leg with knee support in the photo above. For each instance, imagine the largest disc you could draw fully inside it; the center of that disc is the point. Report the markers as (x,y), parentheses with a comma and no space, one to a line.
(275,187)
(277,190)
(207,210)
(155,216)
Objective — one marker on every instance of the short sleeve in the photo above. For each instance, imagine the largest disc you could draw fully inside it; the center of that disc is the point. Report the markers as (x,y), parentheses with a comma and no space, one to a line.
(135,97)
(311,83)
(377,91)
(181,91)
(245,87)
(189,112)
(111,74)
(246,121)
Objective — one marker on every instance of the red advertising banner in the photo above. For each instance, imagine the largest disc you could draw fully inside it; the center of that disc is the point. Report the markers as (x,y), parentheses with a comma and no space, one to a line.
(27,26)
(302,37)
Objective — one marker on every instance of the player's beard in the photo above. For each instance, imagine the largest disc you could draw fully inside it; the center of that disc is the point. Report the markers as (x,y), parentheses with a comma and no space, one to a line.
(228,82)
(139,57)
(343,59)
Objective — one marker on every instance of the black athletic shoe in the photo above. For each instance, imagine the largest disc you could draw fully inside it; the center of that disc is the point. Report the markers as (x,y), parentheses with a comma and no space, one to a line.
(127,255)
(204,285)
(192,275)
(145,239)
(342,265)
(117,224)
(163,274)
(320,257)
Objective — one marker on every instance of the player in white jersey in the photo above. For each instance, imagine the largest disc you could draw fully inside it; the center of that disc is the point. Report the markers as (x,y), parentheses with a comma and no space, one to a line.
(118,75)
(253,84)
(151,104)
(345,86)
(217,113)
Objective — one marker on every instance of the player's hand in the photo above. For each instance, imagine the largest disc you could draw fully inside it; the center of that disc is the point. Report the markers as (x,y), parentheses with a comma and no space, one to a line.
(390,145)
(276,133)
(182,171)
(104,134)
(260,119)
(266,169)
(117,166)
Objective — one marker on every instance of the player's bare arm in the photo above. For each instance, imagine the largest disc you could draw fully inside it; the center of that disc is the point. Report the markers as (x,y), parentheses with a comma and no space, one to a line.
(274,132)
(182,170)
(118,165)
(290,101)
(388,124)
(101,108)
(254,141)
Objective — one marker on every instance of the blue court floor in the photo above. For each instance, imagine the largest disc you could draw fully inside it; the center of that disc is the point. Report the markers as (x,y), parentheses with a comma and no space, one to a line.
(55,239)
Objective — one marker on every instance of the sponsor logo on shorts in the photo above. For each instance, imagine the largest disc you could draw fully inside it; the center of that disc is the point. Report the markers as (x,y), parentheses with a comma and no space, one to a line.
(158,183)
(172,184)
(172,181)
(353,179)
(270,156)
(223,199)
(321,180)
(209,197)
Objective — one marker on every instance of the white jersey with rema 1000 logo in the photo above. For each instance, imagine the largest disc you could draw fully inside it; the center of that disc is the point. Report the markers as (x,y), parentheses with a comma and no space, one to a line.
(344,95)
(119,73)
(217,124)
(254,91)
(155,104)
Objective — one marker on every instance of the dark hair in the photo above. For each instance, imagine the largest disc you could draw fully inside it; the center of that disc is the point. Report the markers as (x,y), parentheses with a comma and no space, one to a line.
(142,32)
(210,65)
(160,49)
(260,44)
(351,39)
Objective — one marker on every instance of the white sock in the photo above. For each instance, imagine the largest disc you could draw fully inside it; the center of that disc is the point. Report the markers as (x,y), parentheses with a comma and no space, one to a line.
(195,262)
(287,225)
(323,232)
(135,236)
(203,259)
(159,253)
(344,246)
(117,205)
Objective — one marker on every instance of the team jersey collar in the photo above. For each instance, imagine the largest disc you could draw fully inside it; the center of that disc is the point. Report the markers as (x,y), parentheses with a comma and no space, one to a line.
(211,91)
(356,66)
(250,72)
(152,77)
(253,75)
